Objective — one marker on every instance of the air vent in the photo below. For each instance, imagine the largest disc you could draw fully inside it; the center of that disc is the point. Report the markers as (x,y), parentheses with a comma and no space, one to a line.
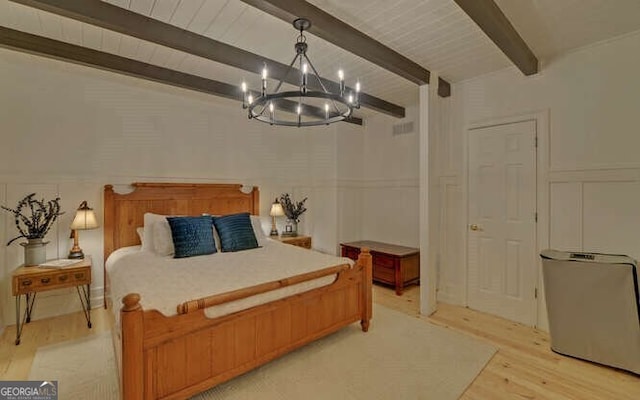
(403,128)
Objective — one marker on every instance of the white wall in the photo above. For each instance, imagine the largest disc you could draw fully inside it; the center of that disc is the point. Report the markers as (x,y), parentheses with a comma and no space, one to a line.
(390,196)
(592,97)
(68,130)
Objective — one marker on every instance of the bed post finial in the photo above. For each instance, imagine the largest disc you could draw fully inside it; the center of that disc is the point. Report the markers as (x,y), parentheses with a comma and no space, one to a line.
(131,302)
(365,261)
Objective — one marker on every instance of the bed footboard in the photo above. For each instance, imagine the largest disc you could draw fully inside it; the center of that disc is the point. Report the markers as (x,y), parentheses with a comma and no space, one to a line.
(176,357)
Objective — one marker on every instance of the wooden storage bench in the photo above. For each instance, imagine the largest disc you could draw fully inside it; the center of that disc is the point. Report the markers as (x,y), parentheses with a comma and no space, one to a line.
(394,265)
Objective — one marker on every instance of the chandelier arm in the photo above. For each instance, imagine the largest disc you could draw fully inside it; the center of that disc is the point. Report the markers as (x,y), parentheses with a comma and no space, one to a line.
(287,74)
(315,72)
(264,107)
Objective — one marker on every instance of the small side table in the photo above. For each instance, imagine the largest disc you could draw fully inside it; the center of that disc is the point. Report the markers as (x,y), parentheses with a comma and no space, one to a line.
(300,241)
(28,281)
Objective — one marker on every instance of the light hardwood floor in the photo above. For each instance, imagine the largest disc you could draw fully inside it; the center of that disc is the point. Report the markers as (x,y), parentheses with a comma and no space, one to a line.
(523,368)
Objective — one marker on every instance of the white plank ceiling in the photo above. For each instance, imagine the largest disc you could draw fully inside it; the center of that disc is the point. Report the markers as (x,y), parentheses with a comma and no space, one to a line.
(436,34)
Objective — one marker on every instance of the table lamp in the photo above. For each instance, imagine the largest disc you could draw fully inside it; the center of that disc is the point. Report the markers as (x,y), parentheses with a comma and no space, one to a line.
(85,219)
(276,211)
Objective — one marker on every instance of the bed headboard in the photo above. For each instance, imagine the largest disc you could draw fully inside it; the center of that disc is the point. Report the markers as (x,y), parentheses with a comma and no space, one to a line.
(123,213)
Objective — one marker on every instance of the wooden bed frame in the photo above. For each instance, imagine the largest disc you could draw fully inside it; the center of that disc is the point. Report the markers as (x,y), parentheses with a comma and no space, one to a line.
(176,357)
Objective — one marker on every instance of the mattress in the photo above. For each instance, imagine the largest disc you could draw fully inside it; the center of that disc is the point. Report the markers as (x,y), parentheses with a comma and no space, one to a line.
(164,282)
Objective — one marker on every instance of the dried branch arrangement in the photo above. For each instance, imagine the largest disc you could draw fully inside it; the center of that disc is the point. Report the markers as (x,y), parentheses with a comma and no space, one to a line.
(34,217)
(293,210)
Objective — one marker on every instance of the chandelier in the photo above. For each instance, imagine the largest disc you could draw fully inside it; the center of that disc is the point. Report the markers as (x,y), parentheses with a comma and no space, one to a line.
(301,107)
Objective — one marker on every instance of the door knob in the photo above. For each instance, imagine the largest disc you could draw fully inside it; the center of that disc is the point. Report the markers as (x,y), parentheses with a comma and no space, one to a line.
(474,227)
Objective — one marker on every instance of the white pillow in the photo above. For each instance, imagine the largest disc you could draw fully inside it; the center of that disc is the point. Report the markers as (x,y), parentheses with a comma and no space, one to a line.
(149,220)
(163,238)
(258,222)
(216,237)
(140,232)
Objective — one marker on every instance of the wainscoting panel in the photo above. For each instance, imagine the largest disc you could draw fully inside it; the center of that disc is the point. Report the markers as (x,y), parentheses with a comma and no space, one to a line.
(612,217)
(451,258)
(566,216)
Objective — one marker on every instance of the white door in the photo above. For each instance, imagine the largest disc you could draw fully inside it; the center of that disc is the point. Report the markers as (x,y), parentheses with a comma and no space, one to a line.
(502,221)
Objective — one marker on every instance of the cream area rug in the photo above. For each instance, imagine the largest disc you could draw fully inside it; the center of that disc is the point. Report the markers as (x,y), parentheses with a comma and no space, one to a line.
(401,357)
(84,368)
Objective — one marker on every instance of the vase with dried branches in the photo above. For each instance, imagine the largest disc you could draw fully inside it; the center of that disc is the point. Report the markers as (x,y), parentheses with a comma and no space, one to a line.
(293,210)
(34,218)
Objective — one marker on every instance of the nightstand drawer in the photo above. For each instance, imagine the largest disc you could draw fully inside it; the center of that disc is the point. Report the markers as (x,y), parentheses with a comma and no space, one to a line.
(80,277)
(51,279)
(37,283)
(300,241)
(26,285)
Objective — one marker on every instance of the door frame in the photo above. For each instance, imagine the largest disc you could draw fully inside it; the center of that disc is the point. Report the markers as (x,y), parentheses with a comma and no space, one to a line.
(541,118)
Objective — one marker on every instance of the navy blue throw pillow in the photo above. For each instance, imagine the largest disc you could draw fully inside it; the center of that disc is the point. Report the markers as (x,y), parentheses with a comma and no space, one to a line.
(192,236)
(236,232)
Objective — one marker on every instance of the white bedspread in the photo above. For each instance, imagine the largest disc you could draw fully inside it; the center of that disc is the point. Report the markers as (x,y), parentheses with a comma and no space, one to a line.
(165,282)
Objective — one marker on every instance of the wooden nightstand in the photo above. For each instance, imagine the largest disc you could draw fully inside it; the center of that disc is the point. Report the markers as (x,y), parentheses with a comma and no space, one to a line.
(28,281)
(300,241)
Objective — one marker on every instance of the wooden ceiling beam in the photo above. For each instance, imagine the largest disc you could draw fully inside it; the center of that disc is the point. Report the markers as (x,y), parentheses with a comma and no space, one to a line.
(488,16)
(26,42)
(333,30)
(120,20)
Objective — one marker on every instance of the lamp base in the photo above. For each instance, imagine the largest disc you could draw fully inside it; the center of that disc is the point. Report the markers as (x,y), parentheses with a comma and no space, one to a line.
(76,254)
(76,251)
(274,232)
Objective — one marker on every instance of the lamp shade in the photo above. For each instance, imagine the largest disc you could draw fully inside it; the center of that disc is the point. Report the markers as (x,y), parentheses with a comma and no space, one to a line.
(85,218)
(276,210)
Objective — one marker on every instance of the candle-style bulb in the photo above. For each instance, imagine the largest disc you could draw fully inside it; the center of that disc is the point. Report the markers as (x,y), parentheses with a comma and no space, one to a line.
(350,98)
(244,94)
(341,75)
(299,109)
(264,81)
(358,87)
(303,86)
(250,99)
(326,111)
(271,112)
